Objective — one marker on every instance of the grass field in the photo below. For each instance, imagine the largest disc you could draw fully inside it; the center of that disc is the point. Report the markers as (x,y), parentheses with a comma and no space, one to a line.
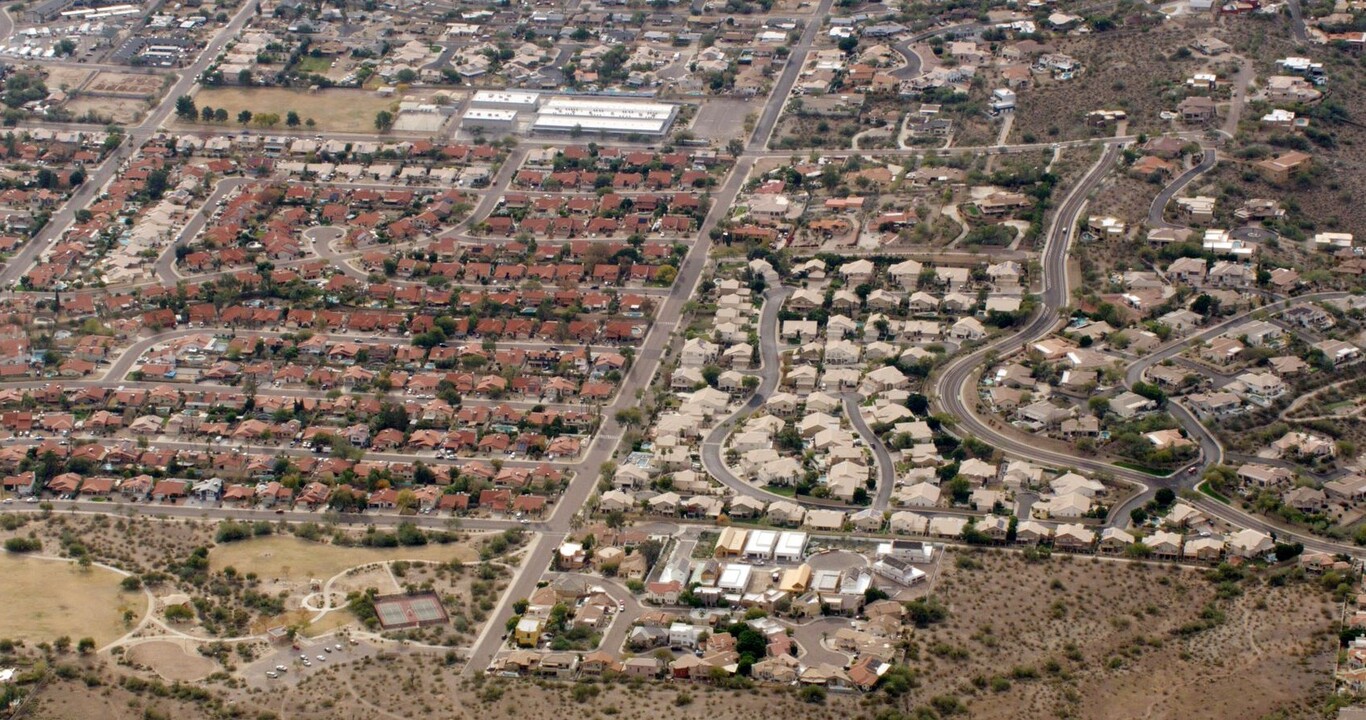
(46,599)
(294,560)
(337,110)
(319,65)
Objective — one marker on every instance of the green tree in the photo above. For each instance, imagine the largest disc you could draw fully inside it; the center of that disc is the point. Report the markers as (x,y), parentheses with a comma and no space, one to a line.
(292,119)
(384,120)
(185,108)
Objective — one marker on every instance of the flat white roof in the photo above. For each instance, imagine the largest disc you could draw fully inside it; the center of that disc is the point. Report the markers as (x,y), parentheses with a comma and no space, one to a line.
(569,122)
(488,114)
(605,115)
(734,577)
(761,542)
(607,108)
(791,544)
(505,97)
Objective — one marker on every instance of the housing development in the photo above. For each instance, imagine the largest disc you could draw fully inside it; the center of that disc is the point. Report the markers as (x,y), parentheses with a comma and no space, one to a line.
(734,359)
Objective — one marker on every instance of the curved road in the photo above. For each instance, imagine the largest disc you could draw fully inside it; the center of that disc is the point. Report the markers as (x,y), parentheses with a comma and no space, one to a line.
(955,393)
(886,468)
(1160,202)
(770,371)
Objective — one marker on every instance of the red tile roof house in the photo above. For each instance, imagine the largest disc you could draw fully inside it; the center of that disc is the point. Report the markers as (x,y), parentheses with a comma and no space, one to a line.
(22,484)
(169,491)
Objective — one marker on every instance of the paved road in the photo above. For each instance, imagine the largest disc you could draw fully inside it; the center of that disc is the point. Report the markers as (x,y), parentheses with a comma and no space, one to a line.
(610,433)
(768,119)
(1297,28)
(98,178)
(770,372)
(886,468)
(1159,206)
(809,636)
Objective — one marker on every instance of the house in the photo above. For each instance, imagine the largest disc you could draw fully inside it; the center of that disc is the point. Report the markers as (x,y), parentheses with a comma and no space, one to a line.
(1250,543)
(1197,109)
(1280,168)
(648,667)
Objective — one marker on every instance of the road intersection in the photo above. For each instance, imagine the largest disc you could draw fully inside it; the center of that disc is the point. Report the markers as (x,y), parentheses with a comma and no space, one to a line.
(953,389)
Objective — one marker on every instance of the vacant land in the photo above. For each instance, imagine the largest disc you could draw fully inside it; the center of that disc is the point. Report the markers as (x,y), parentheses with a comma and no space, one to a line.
(1099,638)
(48,599)
(171,661)
(1138,71)
(337,110)
(111,83)
(290,559)
(107,109)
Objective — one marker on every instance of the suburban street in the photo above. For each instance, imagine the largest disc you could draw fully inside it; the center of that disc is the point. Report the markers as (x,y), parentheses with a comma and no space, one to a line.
(99,177)
(953,389)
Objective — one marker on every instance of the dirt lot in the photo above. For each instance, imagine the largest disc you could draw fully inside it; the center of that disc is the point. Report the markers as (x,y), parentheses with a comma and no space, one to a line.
(171,661)
(109,83)
(337,110)
(291,560)
(114,110)
(66,77)
(46,599)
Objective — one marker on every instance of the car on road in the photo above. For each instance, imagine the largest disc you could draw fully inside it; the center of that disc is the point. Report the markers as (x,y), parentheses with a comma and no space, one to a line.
(339,647)
(281,668)
(272,674)
(322,658)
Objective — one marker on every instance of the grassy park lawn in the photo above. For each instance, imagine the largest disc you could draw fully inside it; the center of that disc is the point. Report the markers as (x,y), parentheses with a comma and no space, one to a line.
(48,599)
(291,559)
(338,110)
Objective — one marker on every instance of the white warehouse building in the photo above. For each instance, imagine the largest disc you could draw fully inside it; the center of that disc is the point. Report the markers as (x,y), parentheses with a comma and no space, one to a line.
(489,119)
(515,100)
(595,115)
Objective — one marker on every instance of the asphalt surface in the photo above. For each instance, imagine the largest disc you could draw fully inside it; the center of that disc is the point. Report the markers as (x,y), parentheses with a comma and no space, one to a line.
(886,468)
(1159,206)
(763,129)
(99,177)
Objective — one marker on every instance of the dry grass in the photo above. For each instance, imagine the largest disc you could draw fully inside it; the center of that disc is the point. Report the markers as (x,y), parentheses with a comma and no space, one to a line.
(115,110)
(338,110)
(1072,637)
(171,661)
(291,560)
(48,599)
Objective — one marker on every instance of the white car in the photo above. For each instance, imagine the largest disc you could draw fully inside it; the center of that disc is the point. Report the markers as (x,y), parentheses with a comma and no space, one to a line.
(322,658)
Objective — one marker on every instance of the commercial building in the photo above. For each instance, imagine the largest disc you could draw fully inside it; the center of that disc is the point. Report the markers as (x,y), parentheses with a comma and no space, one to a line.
(485,119)
(515,100)
(614,117)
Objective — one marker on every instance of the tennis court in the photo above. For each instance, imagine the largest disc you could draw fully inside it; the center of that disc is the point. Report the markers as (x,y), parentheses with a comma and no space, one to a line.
(400,612)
